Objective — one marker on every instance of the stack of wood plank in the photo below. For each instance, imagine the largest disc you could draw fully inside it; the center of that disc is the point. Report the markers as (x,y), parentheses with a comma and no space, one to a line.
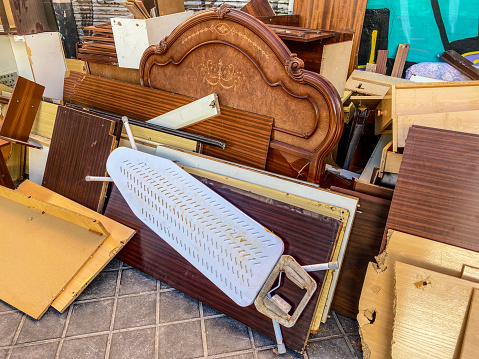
(99,46)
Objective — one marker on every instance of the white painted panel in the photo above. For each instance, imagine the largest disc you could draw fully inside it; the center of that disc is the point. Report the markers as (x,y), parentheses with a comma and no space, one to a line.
(7,59)
(37,160)
(21,57)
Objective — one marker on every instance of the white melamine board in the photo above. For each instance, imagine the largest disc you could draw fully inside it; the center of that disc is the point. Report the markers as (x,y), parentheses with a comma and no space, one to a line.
(21,57)
(45,51)
(133,36)
(37,160)
(7,59)
(273,181)
(197,111)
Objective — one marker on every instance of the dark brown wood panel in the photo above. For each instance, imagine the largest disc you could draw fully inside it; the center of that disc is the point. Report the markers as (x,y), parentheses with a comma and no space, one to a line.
(5,177)
(258,8)
(29,16)
(363,245)
(308,237)
(22,110)
(437,191)
(80,145)
(247,135)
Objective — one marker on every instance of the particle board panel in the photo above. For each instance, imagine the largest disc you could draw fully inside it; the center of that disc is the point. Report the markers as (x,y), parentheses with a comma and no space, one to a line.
(376,311)
(247,135)
(29,16)
(119,236)
(308,236)
(42,248)
(430,313)
(80,146)
(471,336)
(363,245)
(435,196)
(22,109)
(334,65)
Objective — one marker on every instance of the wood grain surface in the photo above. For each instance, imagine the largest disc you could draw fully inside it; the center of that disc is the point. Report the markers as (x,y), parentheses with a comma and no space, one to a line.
(29,16)
(363,245)
(22,109)
(334,15)
(307,236)
(258,8)
(436,194)
(80,145)
(247,135)
(5,177)
(470,345)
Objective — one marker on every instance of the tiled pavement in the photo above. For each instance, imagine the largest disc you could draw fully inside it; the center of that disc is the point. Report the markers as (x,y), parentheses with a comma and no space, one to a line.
(126,314)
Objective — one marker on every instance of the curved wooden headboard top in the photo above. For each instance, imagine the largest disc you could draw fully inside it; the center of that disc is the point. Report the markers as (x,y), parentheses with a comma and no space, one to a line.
(231,53)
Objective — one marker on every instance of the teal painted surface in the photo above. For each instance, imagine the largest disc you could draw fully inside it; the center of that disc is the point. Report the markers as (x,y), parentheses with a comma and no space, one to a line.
(412,22)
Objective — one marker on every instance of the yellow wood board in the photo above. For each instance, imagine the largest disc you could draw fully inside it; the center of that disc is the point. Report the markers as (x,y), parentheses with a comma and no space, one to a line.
(470,273)
(45,119)
(120,235)
(431,312)
(40,254)
(377,296)
(470,343)
(75,65)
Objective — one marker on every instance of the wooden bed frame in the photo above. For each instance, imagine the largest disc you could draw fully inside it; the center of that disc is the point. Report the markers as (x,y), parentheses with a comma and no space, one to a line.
(231,53)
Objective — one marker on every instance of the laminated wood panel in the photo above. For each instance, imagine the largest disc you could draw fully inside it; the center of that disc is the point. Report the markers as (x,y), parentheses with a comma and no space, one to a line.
(29,16)
(309,237)
(430,313)
(363,245)
(258,8)
(80,145)
(471,335)
(5,177)
(119,236)
(247,135)
(436,195)
(22,109)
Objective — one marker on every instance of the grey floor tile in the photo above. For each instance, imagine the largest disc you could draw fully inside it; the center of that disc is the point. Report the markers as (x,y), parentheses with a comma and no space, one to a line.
(88,348)
(134,281)
(135,311)
(335,348)
(176,306)
(4,307)
(90,317)
(349,325)
(327,329)
(224,335)
(270,354)
(261,340)
(138,344)
(8,325)
(114,264)
(39,351)
(208,311)
(104,285)
(180,341)
(354,339)
(50,326)
(241,356)
(3,353)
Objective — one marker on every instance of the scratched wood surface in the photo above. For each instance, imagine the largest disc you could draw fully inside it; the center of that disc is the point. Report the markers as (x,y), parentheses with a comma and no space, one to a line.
(436,194)
(29,16)
(309,237)
(247,135)
(80,145)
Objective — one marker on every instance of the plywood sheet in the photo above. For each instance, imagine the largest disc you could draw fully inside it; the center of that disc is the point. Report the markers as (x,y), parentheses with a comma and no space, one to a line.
(470,346)
(29,16)
(431,312)
(436,195)
(41,251)
(81,143)
(119,236)
(376,312)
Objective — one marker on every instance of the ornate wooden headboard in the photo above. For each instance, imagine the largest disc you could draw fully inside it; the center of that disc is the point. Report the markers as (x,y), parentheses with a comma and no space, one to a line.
(231,53)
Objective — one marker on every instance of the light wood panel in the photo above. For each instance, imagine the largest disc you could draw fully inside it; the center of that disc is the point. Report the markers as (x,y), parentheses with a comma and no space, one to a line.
(119,236)
(45,119)
(376,312)
(431,311)
(371,83)
(470,346)
(470,273)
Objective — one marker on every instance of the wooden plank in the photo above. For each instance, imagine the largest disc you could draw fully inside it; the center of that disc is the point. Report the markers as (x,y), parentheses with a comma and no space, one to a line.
(426,201)
(22,109)
(119,236)
(376,312)
(363,245)
(81,143)
(471,335)
(470,273)
(246,134)
(187,115)
(461,64)
(371,83)
(154,138)
(335,65)
(372,189)
(400,60)
(462,121)
(166,7)
(312,243)
(29,16)
(258,8)
(381,61)
(334,15)
(43,247)
(431,311)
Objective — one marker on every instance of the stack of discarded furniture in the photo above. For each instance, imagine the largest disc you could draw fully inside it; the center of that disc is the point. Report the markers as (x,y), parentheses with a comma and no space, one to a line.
(99,46)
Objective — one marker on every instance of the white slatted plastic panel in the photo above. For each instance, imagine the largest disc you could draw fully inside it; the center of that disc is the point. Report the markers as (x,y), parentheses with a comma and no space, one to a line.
(232,250)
